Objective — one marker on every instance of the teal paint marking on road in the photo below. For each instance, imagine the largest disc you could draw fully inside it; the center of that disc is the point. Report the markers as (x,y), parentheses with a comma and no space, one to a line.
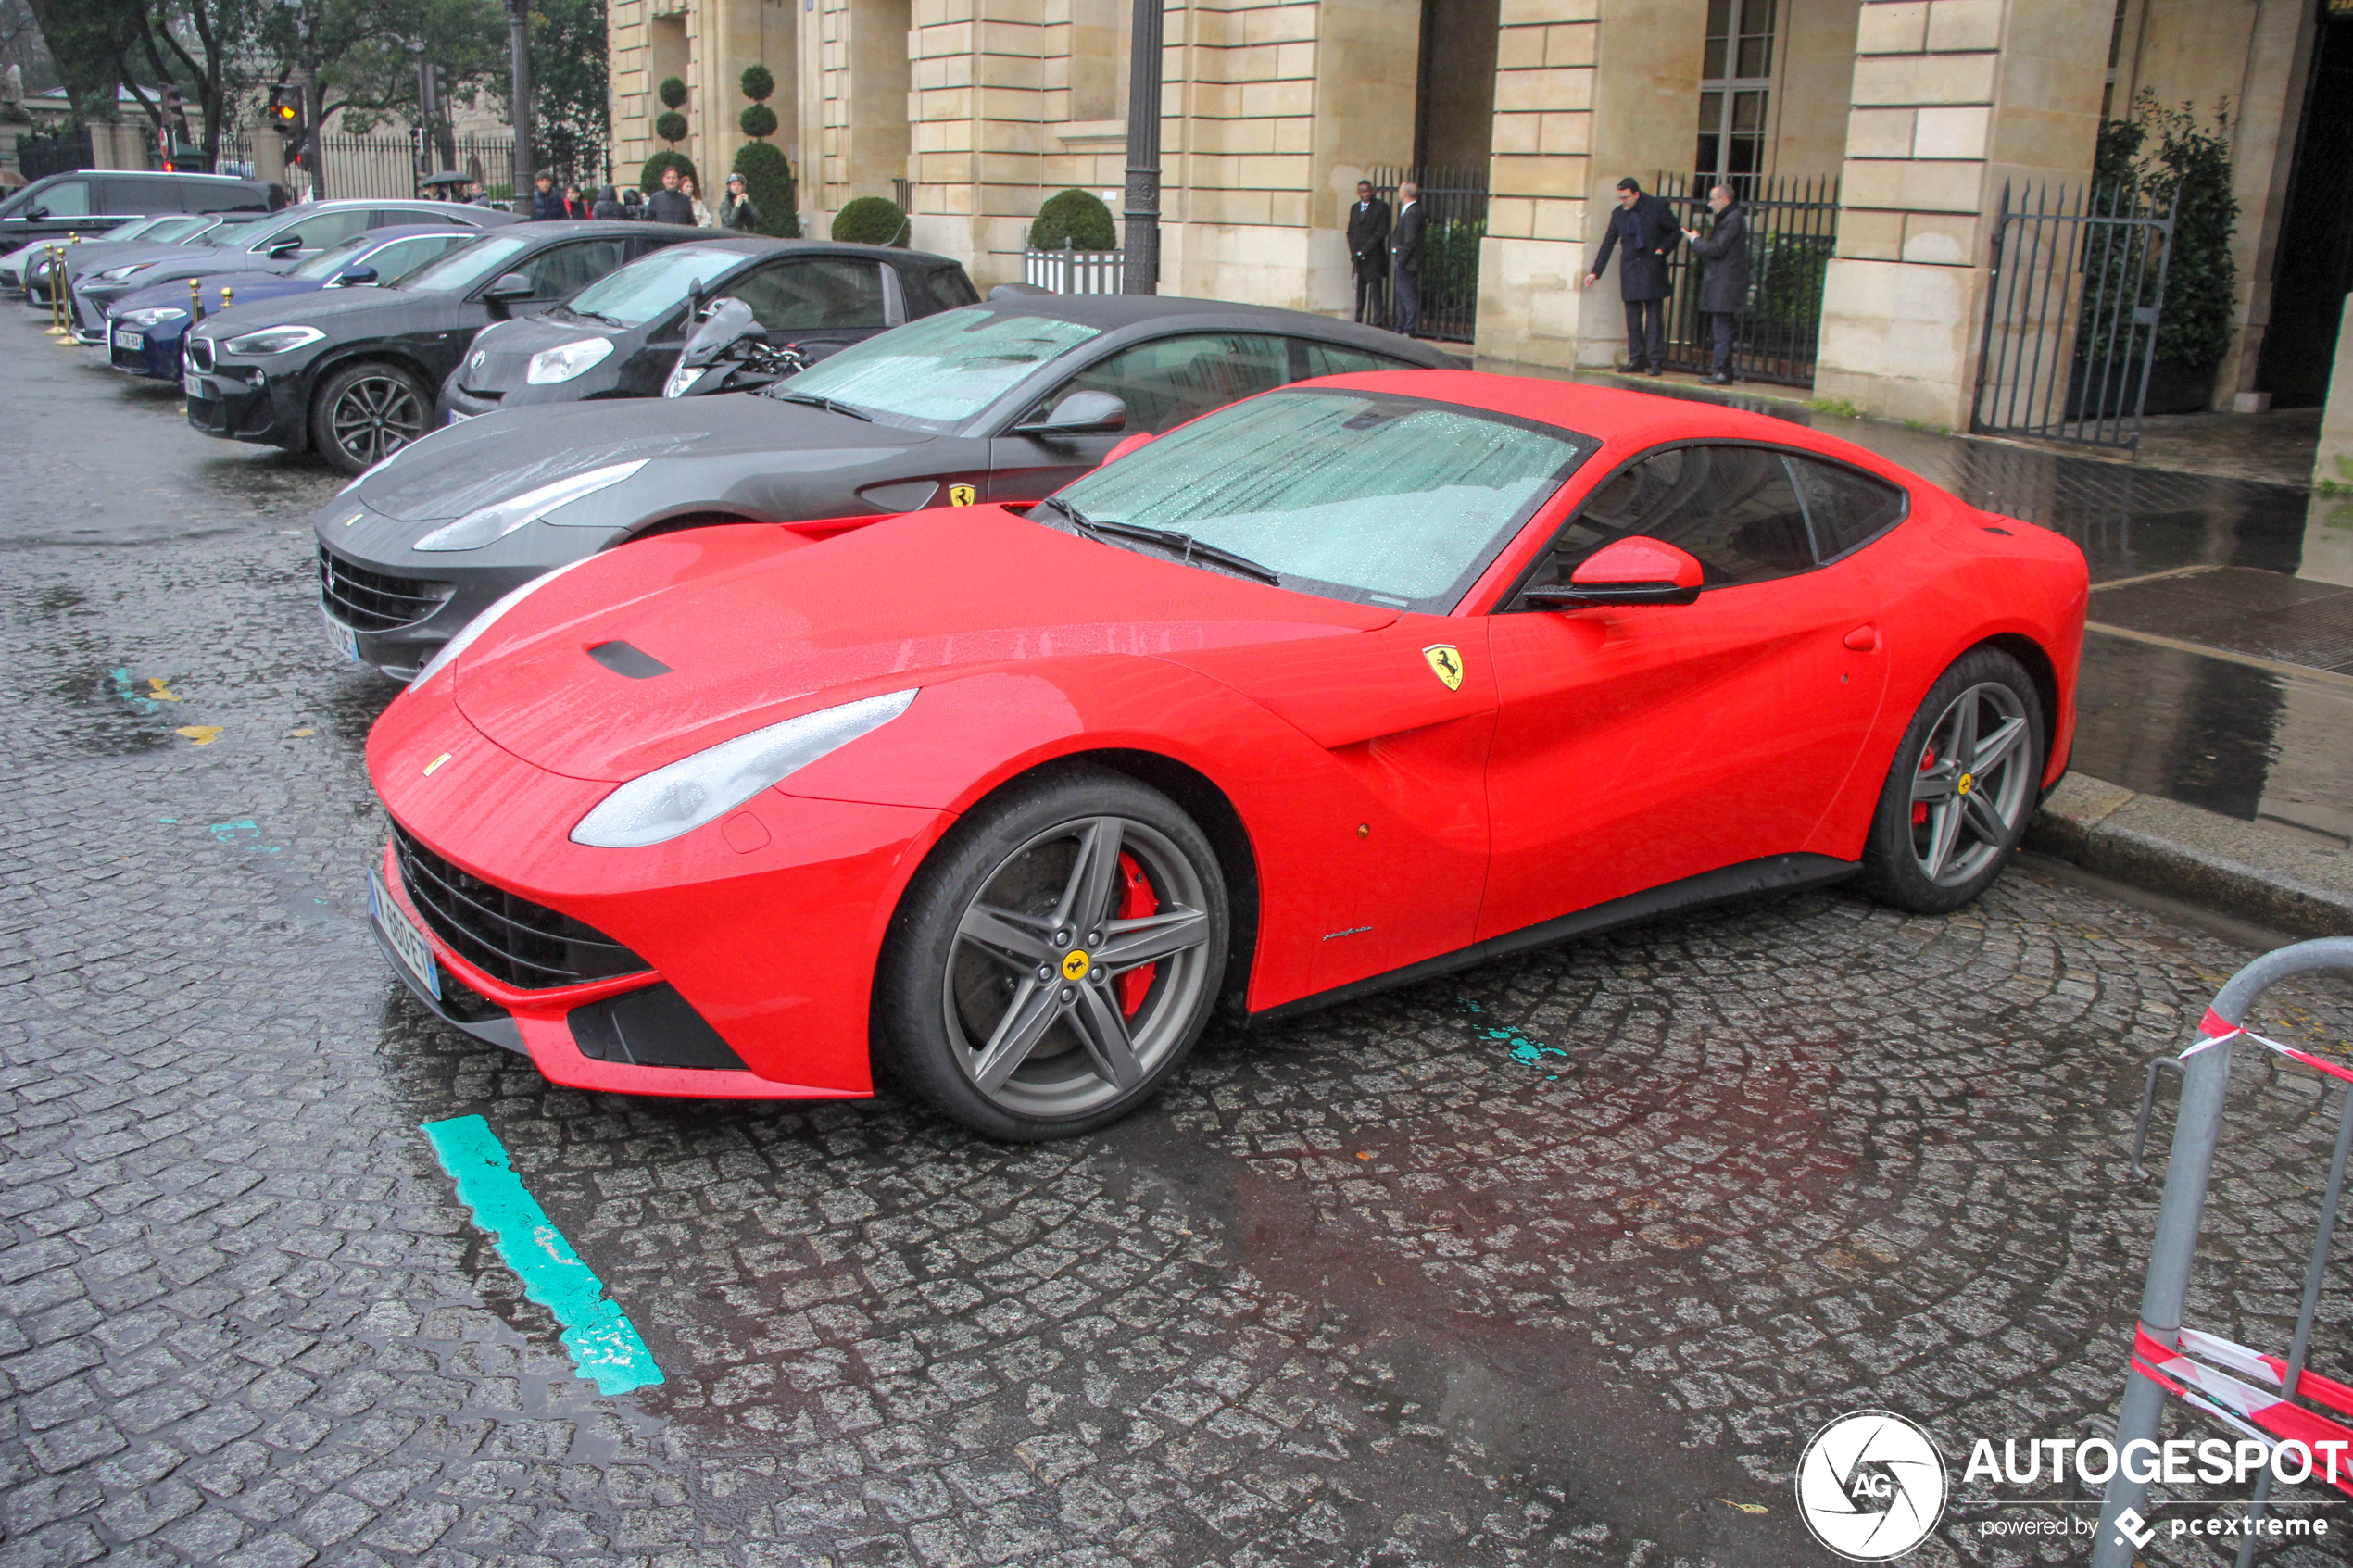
(603,1342)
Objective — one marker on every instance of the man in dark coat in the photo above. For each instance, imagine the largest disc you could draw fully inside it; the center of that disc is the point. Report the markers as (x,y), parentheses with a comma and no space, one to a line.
(670,205)
(1369,247)
(1647,226)
(544,203)
(1723,283)
(1405,258)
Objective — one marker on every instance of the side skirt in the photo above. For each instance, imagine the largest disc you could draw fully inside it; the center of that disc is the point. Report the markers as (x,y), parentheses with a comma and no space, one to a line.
(1771,875)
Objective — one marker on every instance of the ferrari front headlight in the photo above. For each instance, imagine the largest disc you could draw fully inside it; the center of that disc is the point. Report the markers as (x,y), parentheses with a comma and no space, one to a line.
(677,800)
(560,364)
(478,528)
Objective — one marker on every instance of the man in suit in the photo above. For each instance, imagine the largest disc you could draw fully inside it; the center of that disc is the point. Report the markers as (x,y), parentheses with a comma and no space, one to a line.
(1723,286)
(1648,228)
(1405,258)
(1369,247)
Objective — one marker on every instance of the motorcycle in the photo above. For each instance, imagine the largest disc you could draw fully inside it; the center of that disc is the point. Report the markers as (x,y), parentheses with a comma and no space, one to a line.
(727,354)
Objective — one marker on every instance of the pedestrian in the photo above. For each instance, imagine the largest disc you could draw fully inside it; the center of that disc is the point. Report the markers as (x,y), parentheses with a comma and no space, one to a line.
(1405,258)
(671,205)
(607,205)
(704,219)
(1723,285)
(634,204)
(736,211)
(544,203)
(1368,248)
(576,205)
(1647,226)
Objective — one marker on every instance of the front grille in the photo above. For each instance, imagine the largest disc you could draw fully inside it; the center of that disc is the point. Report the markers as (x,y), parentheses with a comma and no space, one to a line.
(200,353)
(505,935)
(126,359)
(10,279)
(377,601)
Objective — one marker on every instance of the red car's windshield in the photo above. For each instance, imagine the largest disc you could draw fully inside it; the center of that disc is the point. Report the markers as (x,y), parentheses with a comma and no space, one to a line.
(1379,499)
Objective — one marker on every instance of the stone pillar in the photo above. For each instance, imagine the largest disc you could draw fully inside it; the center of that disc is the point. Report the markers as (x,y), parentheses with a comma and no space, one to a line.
(1952,99)
(1586,92)
(979,106)
(2333,465)
(728,35)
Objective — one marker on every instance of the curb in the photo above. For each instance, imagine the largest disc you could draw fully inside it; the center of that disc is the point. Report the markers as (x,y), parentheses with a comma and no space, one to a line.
(2240,869)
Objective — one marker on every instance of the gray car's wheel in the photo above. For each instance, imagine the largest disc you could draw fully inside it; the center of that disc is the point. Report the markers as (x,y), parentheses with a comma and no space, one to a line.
(366,412)
(1055,959)
(1966,780)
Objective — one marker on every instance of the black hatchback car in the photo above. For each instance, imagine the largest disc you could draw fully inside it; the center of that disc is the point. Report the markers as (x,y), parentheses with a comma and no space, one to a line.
(621,336)
(351,374)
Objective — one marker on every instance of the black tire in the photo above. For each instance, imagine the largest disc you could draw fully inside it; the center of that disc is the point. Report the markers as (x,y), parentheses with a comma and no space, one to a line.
(364,413)
(1057,998)
(1969,818)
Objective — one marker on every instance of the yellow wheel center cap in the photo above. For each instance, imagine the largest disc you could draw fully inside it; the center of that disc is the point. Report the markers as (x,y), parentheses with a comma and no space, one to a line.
(1962,784)
(1076,964)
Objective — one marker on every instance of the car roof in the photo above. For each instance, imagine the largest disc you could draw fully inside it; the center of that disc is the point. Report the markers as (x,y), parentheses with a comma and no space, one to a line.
(1124,317)
(761,245)
(409,231)
(594,227)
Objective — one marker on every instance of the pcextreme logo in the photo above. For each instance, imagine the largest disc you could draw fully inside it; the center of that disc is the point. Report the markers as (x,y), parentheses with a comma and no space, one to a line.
(1870,1485)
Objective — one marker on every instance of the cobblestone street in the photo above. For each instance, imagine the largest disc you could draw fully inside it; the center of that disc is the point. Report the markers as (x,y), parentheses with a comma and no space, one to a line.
(1558,1261)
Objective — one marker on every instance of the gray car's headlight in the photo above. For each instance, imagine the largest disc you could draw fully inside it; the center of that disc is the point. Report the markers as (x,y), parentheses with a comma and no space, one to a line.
(488,618)
(115,274)
(273,340)
(701,788)
(151,317)
(551,365)
(476,529)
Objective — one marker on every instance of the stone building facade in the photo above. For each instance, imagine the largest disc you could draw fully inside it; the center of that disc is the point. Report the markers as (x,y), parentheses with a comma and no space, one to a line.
(975,111)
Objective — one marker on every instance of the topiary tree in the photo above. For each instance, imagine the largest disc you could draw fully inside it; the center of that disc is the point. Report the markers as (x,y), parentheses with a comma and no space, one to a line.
(672,92)
(1075,219)
(651,180)
(872,221)
(671,126)
(2193,163)
(758,119)
(767,173)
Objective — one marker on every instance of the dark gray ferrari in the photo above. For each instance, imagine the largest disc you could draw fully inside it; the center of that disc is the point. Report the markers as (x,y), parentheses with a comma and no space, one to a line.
(1003,402)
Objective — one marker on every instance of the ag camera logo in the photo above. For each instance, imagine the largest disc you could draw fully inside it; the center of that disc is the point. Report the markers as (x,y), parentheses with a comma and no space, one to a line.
(1870,1485)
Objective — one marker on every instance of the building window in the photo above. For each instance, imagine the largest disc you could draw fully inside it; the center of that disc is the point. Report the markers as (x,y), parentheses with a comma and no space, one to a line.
(1736,75)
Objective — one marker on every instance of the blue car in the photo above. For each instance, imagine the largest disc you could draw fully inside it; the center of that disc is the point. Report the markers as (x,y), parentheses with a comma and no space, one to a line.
(144,330)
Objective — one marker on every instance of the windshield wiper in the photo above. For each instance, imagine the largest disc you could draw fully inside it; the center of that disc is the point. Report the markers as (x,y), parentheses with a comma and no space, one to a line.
(1188,549)
(816,400)
(595,316)
(1077,518)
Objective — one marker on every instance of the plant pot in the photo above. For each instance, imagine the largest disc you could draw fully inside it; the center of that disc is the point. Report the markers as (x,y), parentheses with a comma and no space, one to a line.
(2106,389)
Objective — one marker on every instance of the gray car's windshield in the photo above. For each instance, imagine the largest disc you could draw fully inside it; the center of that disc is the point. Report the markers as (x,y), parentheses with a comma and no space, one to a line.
(941,371)
(1375,499)
(167,229)
(468,265)
(645,288)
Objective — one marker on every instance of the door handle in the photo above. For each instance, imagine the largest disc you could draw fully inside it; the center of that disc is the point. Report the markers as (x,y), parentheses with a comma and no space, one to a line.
(1864,639)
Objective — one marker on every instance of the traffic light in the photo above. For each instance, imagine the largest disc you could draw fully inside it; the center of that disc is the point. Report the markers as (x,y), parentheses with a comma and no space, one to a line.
(285,107)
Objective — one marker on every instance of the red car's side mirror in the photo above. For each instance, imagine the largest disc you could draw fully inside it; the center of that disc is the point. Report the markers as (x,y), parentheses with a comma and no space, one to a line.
(1634,570)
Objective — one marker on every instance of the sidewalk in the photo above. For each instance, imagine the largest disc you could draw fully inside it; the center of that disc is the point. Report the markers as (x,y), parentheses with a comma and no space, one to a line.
(2214,745)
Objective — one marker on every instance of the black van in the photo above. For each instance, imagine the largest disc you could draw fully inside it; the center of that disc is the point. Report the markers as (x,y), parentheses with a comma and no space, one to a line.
(87,201)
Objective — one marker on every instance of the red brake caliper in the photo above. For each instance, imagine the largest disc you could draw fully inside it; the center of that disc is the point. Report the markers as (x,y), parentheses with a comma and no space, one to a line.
(1920,808)
(1136,901)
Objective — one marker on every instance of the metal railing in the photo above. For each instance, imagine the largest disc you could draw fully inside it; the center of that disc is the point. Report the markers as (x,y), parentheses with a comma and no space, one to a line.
(1792,229)
(1456,201)
(389,166)
(58,153)
(1073,271)
(2072,314)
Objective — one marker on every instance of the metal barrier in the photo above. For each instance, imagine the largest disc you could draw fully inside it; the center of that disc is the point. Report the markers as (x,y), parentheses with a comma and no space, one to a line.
(1073,271)
(1455,200)
(1792,229)
(2163,1345)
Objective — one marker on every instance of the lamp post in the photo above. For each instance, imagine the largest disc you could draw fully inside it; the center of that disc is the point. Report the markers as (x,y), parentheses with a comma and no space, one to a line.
(519,47)
(1139,267)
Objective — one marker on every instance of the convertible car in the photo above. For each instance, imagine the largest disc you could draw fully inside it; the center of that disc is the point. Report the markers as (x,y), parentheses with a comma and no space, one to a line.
(1347,683)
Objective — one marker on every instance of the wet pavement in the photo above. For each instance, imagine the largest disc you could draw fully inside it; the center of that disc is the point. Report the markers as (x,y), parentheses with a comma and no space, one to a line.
(1557,1261)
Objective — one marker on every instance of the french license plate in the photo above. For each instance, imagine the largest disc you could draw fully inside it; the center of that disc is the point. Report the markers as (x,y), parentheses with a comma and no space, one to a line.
(192,383)
(342,638)
(126,338)
(402,933)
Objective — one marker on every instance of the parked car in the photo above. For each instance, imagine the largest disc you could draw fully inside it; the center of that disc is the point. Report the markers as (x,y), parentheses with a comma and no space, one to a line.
(145,329)
(622,336)
(276,244)
(90,201)
(1349,685)
(17,266)
(351,373)
(1002,402)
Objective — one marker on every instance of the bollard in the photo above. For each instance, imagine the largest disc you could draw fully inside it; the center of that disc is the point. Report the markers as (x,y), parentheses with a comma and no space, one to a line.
(195,303)
(2206,1079)
(57,327)
(227,295)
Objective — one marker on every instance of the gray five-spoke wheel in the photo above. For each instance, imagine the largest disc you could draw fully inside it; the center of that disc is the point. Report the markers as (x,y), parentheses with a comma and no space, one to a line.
(375,416)
(1973,784)
(1080,964)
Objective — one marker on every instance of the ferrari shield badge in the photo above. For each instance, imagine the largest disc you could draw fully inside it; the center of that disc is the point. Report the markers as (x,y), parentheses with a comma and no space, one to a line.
(962,495)
(1446,663)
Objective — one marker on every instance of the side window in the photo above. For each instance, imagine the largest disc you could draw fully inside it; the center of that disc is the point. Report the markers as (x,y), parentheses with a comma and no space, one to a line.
(1331,359)
(1848,509)
(1171,380)
(808,295)
(403,255)
(1732,507)
(564,270)
(318,233)
(67,198)
(142,195)
(930,290)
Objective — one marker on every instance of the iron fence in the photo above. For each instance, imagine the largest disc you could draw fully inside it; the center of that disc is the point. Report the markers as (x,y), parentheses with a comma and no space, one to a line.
(389,167)
(2072,314)
(1792,229)
(56,153)
(1073,271)
(1455,200)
